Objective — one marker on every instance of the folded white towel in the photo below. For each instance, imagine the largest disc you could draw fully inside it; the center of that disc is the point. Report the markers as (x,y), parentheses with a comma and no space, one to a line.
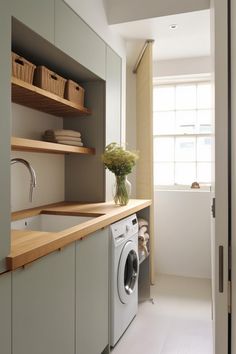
(142,222)
(69,138)
(146,236)
(74,143)
(67,132)
(142,230)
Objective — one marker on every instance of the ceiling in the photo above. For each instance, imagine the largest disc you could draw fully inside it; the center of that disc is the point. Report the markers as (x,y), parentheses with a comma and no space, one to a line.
(190,39)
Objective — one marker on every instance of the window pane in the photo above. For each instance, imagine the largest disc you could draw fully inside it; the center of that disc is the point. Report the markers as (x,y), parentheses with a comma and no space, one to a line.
(163,173)
(164,123)
(204,149)
(164,149)
(186,122)
(204,117)
(185,173)
(204,95)
(185,149)
(204,172)
(186,97)
(164,98)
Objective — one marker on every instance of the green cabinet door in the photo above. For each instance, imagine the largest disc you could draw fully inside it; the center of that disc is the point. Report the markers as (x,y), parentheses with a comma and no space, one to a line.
(5,133)
(43,305)
(5,313)
(92,293)
(37,15)
(78,40)
(113,108)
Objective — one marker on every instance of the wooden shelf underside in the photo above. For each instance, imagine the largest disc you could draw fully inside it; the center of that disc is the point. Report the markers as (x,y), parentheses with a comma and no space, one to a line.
(21,144)
(34,97)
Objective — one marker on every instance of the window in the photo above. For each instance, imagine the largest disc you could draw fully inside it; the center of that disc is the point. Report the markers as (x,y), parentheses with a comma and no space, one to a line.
(182,130)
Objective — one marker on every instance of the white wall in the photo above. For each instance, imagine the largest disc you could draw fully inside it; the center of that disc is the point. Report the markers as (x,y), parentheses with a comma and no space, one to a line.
(132,10)
(182,233)
(184,66)
(49,168)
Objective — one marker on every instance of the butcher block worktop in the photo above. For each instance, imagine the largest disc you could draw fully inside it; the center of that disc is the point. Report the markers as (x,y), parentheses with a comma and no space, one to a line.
(27,246)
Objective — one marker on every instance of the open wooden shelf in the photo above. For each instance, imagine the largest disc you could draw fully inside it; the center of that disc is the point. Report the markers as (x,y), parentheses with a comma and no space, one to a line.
(21,144)
(34,97)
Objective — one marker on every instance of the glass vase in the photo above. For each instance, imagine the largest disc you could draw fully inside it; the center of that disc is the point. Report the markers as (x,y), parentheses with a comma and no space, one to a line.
(121,190)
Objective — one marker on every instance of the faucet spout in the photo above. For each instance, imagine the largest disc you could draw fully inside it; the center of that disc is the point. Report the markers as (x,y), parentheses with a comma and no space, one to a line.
(32,174)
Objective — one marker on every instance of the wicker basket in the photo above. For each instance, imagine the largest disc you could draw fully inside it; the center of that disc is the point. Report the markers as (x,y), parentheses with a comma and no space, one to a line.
(74,92)
(49,81)
(22,69)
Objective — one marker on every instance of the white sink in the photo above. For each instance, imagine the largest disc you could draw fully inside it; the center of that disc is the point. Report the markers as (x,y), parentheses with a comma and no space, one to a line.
(49,222)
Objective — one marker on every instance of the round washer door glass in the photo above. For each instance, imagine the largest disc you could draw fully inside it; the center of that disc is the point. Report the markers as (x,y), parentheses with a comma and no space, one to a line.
(127,272)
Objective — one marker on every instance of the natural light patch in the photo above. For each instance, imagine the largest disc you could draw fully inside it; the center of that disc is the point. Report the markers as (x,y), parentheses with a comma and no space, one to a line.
(182,129)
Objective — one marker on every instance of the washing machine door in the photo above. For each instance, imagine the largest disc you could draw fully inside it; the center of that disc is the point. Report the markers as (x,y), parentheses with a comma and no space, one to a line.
(127,272)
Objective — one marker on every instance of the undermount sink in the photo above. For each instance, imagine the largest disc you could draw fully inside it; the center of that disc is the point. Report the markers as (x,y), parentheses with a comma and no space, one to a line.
(49,222)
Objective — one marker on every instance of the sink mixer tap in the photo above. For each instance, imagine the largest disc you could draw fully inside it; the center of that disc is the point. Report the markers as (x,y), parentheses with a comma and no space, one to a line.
(32,174)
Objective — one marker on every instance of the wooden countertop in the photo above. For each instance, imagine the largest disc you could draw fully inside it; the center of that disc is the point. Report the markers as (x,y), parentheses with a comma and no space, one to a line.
(27,246)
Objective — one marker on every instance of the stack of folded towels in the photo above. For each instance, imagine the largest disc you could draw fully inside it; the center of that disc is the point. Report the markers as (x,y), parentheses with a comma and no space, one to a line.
(63,136)
(143,238)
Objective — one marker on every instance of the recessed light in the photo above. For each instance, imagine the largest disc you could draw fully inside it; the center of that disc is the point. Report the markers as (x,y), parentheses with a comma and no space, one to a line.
(174,26)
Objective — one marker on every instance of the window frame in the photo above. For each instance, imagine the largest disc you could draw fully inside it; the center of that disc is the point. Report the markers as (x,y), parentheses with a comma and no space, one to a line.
(173,81)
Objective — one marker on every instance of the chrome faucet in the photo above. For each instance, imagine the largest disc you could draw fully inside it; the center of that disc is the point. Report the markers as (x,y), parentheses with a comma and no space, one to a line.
(32,174)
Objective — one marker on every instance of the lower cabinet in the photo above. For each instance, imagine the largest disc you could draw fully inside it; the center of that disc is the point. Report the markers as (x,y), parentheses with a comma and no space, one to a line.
(43,305)
(92,293)
(5,313)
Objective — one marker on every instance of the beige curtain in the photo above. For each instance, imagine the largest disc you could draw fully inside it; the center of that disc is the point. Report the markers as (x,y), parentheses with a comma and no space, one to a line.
(144,109)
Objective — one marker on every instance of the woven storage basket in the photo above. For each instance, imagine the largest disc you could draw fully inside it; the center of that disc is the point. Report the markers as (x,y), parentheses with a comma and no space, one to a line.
(74,92)
(49,81)
(22,69)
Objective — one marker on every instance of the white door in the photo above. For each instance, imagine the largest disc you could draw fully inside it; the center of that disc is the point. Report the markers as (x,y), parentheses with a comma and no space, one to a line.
(220,225)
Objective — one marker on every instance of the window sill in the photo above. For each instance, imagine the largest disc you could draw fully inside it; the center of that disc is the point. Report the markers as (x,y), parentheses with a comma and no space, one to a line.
(182,188)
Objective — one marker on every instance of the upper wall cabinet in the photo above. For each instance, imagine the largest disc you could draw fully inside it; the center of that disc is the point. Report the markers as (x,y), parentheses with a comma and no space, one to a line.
(37,15)
(113,108)
(76,39)
(113,97)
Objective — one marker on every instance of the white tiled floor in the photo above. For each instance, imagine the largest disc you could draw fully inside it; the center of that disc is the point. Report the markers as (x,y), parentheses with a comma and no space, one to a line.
(179,322)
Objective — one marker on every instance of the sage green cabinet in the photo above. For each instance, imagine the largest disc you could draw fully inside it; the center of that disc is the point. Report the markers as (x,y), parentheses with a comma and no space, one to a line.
(113,107)
(92,293)
(5,313)
(43,305)
(37,15)
(5,129)
(78,40)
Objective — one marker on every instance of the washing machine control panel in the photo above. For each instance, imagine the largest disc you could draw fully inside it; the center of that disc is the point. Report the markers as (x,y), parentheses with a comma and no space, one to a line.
(124,229)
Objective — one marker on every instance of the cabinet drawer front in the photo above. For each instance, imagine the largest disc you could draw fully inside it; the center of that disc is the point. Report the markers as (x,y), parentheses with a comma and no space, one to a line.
(5,311)
(43,305)
(92,293)
(75,38)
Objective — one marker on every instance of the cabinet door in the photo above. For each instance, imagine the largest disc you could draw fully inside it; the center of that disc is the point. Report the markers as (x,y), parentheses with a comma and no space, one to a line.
(5,313)
(77,39)
(5,129)
(113,108)
(37,15)
(92,293)
(43,305)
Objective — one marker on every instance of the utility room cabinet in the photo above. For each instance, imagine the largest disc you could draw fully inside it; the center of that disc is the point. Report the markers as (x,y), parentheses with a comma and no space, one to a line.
(37,15)
(113,108)
(78,40)
(5,313)
(92,293)
(43,301)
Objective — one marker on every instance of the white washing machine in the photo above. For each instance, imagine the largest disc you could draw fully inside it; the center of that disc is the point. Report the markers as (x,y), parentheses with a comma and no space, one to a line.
(124,276)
